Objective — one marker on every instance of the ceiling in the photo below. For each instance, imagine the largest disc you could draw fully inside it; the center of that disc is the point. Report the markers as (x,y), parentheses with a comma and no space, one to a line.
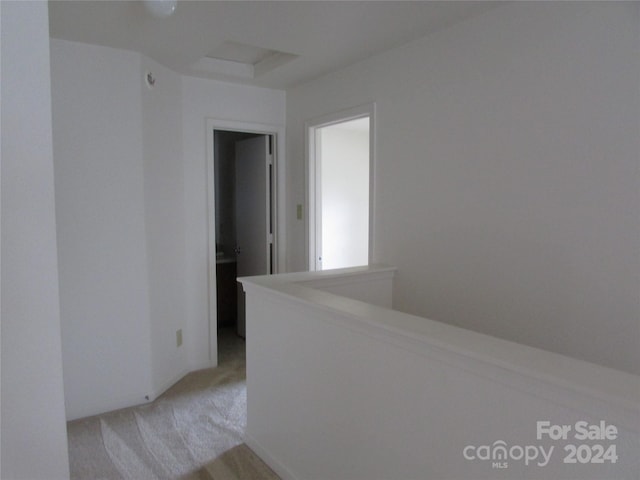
(262,43)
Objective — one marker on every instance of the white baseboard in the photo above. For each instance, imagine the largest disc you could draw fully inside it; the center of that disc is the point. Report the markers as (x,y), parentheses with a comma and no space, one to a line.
(167,385)
(108,405)
(126,401)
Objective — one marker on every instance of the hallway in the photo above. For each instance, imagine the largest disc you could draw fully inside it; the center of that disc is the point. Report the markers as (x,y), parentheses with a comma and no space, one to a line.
(194,431)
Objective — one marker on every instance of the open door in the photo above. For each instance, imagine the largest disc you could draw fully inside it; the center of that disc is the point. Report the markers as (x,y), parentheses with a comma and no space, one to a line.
(254,235)
(340,193)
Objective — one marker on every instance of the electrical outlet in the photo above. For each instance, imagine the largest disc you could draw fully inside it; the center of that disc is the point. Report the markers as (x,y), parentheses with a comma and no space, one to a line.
(179,338)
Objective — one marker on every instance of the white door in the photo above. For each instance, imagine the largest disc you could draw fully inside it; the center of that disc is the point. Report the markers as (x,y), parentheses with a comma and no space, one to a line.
(253,213)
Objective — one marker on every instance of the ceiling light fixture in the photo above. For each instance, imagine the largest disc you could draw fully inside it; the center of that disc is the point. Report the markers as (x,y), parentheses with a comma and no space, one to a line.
(160,8)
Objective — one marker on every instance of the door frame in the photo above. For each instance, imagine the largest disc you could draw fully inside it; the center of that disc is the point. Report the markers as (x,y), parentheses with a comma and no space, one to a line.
(278,132)
(311,177)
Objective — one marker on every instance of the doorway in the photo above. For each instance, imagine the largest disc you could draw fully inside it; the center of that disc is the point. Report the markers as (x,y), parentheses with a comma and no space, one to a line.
(340,180)
(243,222)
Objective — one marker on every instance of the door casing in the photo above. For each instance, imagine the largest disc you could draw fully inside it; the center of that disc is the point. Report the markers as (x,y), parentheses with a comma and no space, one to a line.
(311,126)
(279,236)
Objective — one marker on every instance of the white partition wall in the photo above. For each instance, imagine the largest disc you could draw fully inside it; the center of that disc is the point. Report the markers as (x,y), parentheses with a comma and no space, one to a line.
(341,389)
(34,437)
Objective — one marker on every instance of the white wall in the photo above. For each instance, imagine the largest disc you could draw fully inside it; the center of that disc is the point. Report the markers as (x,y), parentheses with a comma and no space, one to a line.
(203,99)
(130,171)
(102,244)
(344,172)
(507,173)
(164,220)
(34,438)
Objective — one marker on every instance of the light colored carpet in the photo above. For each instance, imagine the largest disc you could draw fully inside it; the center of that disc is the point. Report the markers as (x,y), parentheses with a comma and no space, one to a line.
(192,432)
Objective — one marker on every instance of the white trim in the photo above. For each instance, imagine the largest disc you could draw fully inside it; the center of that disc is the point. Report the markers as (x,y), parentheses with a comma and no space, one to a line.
(355,277)
(111,404)
(156,392)
(278,133)
(310,128)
